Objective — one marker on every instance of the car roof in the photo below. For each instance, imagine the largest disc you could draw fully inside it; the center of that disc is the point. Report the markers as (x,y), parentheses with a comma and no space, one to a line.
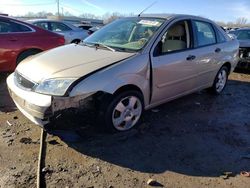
(173,16)
(8,18)
(16,20)
(169,16)
(42,20)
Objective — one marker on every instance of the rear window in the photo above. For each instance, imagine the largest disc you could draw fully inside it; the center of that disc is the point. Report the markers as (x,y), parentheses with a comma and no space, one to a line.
(43,25)
(56,26)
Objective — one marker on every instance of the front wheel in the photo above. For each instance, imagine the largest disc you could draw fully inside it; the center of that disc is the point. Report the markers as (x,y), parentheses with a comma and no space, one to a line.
(220,81)
(123,111)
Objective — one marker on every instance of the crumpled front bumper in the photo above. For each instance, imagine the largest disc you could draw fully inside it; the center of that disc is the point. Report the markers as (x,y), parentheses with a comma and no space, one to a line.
(35,106)
(40,108)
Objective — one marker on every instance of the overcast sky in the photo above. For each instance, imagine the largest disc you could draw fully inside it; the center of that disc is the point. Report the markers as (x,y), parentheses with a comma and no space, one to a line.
(219,10)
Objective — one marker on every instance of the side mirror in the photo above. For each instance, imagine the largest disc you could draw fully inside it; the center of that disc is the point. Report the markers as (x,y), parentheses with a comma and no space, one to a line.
(158,49)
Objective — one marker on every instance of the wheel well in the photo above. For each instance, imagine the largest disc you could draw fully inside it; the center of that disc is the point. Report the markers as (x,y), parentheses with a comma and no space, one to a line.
(27,50)
(31,49)
(228,65)
(75,40)
(127,88)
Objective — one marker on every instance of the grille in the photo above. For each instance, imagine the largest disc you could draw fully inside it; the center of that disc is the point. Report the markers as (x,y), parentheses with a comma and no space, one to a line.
(23,82)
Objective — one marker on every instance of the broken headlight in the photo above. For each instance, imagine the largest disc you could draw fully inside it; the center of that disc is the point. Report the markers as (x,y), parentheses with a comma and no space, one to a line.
(56,87)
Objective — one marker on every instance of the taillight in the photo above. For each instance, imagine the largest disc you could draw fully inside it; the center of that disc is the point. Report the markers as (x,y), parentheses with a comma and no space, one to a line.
(61,40)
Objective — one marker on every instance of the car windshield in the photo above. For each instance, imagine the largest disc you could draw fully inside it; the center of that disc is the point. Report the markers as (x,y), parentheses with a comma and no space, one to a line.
(130,34)
(243,35)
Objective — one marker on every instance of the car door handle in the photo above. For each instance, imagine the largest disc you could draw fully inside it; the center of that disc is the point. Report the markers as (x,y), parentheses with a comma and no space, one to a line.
(191,57)
(217,50)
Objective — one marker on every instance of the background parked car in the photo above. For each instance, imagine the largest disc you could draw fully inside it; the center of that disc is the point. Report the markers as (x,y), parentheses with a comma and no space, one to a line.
(84,27)
(243,35)
(71,33)
(19,40)
(93,29)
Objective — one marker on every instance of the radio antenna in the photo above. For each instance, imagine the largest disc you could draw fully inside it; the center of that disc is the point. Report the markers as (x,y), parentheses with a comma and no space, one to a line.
(147,8)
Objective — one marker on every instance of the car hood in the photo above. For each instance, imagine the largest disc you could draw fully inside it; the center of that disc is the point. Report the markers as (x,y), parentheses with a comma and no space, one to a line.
(70,61)
(244,43)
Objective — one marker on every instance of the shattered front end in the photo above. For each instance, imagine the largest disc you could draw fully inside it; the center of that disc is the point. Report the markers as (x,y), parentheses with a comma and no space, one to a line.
(244,61)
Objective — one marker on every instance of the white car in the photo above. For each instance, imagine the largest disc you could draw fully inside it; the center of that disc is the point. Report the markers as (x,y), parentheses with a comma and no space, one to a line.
(71,33)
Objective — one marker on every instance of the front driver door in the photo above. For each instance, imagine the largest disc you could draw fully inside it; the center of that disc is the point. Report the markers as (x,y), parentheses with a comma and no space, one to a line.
(173,66)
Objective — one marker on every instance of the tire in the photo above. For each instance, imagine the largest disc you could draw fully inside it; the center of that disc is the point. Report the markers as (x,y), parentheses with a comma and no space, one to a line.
(121,112)
(220,81)
(26,54)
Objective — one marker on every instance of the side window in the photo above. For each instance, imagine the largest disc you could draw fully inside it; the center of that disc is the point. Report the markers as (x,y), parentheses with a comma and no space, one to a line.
(204,33)
(176,38)
(5,27)
(13,27)
(220,37)
(43,25)
(56,26)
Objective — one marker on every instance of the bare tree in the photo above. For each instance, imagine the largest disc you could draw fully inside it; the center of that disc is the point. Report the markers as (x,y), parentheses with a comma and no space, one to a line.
(67,14)
(109,17)
(41,14)
(223,24)
(89,15)
(241,21)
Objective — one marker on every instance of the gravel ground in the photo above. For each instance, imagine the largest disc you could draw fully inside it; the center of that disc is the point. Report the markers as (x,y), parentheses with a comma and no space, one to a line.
(189,142)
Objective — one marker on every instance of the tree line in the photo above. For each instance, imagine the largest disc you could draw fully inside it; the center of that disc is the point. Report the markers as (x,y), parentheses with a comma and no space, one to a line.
(108,17)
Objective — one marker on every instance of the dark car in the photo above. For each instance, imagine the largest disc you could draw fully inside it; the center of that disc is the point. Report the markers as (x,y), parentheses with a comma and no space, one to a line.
(19,40)
(243,35)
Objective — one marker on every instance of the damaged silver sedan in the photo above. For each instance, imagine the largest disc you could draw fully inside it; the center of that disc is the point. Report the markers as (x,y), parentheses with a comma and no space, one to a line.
(128,66)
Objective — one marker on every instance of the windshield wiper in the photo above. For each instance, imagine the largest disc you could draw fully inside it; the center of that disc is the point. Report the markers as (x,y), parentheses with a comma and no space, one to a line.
(98,45)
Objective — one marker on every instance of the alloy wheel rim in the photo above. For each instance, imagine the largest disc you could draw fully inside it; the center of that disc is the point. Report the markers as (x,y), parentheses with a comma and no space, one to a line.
(126,113)
(221,82)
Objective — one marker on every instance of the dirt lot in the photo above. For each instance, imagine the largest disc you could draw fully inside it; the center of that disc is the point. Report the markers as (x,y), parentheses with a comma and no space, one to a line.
(189,142)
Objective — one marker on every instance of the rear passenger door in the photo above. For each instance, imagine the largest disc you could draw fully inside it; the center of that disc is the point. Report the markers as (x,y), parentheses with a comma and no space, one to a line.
(207,52)
(6,45)
(13,37)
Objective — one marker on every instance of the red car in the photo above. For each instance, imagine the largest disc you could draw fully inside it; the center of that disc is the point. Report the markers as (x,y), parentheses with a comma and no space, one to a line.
(19,40)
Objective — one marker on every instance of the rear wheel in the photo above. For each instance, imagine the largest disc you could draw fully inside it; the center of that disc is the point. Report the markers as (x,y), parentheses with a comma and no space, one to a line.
(123,112)
(220,81)
(26,54)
